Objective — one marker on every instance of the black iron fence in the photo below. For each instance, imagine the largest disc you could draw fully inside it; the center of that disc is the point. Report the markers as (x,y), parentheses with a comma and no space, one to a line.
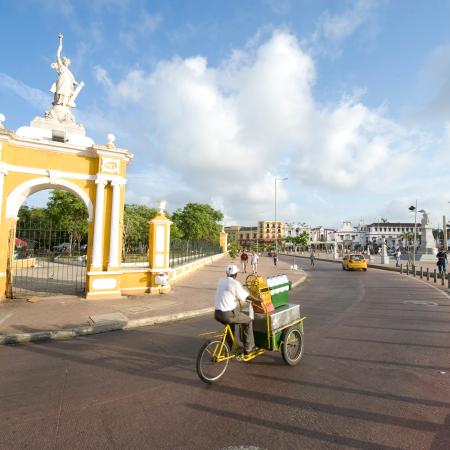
(135,252)
(46,260)
(182,252)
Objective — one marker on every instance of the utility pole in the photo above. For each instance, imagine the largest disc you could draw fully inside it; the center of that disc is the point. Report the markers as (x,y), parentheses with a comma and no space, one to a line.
(444,228)
(276,226)
(414,208)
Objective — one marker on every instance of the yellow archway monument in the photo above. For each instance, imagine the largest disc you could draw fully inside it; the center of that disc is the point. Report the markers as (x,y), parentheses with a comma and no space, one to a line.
(55,153)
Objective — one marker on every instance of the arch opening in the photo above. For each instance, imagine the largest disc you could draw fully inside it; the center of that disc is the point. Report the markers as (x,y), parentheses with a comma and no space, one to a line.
(48,244)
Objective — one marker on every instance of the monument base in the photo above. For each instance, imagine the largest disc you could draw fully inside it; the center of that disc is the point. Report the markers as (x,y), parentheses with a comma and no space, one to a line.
(426,257)
(54,124)
(385,259)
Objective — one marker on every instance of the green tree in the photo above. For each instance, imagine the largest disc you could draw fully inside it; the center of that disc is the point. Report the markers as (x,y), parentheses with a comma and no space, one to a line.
(407,237)
(67,212)
(135,226)
(302,240)
(233,249)
(198,222)
(33,218)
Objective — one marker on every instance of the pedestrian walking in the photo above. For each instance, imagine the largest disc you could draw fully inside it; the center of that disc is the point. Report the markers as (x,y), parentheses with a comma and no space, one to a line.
(442,261)
(244,260)
(398,255)
(275,259)
(312,259)
(254,262)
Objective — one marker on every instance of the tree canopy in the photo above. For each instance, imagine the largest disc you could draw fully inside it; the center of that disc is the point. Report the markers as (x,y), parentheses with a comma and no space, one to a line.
(66,212)
(199,222)
(135,224)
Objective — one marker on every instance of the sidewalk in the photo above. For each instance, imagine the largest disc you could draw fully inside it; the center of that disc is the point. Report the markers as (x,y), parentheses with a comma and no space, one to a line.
(64,317)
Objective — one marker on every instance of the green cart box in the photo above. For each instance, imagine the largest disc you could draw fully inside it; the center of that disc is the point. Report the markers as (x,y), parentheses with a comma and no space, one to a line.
(279,286)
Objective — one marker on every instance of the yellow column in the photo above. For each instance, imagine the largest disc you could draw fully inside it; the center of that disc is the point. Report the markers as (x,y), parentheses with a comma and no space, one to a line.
(158,252)
(7,276)
(223,241)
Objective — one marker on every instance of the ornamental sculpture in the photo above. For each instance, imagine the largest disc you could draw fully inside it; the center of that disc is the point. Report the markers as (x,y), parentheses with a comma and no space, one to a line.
(65,89)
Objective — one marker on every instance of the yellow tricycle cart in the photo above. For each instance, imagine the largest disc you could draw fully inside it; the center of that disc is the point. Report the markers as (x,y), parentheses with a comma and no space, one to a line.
(277,326)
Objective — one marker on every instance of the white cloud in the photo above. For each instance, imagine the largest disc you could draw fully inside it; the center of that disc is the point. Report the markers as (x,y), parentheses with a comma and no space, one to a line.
(220,134)
(63,7)
(35,97)
(227,130)
(101,75)
(333,28)
(339,26)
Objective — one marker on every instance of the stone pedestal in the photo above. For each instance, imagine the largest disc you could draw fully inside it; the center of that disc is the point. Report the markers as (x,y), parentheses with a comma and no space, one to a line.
(55,124)
(335,252)
(223,241)
(384,256)
(158,252)
(427,250)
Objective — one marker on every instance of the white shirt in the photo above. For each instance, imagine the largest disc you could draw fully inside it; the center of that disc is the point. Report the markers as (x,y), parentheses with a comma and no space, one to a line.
(228,292)
(255,258)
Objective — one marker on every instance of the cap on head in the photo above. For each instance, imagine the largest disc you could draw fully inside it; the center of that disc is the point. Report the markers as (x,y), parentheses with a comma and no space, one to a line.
(232,269)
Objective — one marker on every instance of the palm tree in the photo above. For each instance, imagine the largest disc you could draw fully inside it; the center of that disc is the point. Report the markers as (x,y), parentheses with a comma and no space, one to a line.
(407,237)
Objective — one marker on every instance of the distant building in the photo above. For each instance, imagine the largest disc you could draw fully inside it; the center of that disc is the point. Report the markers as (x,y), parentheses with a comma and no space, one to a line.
(292,229)
(264,233)
(269,230)
(322,235)
(248,236)
(233,233)
(376,232)
(348,236)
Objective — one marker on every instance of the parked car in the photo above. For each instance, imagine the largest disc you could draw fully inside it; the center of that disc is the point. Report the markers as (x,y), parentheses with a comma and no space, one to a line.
(354,261)
(62,248)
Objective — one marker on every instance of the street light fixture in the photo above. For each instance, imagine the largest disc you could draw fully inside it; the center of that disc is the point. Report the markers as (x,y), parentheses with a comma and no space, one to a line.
(414,208)
(276,228)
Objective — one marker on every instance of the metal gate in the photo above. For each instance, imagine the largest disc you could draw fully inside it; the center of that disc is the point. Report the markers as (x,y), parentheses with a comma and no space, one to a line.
(44,261)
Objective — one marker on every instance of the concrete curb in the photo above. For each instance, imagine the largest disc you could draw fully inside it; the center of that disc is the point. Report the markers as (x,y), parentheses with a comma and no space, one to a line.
(85,330)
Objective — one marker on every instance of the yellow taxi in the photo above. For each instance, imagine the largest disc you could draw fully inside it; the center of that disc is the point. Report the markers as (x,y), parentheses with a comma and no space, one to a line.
(354,261)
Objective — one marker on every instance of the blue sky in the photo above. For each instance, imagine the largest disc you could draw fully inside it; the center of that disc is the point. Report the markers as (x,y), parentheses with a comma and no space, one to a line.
(349,99)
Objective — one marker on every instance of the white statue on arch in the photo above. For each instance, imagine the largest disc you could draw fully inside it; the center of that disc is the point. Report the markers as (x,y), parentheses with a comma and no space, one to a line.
(65,89)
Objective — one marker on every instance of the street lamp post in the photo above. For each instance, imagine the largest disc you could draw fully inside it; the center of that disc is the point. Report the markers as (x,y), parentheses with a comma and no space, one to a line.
(414,208)
(276,228)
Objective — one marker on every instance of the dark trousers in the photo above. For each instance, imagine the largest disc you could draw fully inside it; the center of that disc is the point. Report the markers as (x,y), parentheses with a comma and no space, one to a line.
(237,317)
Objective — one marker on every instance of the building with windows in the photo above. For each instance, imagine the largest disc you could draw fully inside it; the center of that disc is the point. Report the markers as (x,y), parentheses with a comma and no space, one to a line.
(293,229)
(269,230)
(396,234)
(233,233)
(322,234)
(248,236)
(264,233)
(347,236)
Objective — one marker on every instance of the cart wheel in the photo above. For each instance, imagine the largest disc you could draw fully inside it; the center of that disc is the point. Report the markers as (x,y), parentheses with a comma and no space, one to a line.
(292,346)
(208,369)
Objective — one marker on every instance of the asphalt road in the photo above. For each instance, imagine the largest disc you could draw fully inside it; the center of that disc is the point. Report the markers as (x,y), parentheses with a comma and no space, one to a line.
(375,374)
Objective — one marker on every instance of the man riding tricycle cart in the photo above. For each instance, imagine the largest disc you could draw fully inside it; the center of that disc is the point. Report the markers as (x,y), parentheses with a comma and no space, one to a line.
(268,323)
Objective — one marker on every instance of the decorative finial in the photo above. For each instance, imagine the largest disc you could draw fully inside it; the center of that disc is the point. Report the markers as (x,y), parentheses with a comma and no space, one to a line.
(162,206)
(110,140)
(2,119)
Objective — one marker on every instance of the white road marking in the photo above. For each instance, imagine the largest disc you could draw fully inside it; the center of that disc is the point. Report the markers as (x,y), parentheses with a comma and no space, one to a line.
(420,302)
(5,317)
